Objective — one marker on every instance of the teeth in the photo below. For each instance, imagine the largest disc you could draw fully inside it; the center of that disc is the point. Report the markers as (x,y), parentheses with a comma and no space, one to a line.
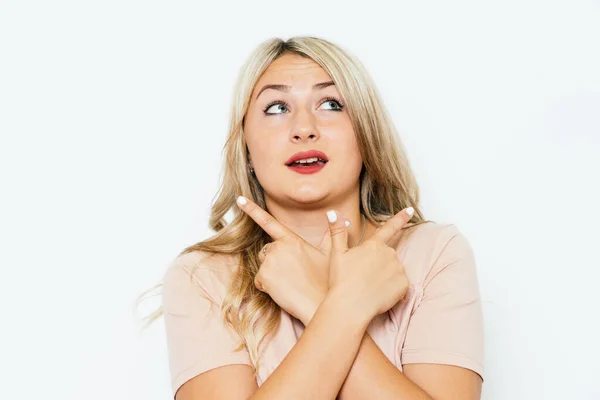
(308,160)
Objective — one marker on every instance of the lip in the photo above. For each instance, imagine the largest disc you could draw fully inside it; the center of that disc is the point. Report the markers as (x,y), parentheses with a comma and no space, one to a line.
(306,154)
(307,170)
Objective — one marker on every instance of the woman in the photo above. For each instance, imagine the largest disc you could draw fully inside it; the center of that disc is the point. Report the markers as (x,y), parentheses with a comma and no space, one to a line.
(320,287)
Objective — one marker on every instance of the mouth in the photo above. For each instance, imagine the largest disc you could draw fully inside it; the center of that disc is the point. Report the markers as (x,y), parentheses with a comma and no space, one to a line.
(308,165)
(308,158)
(308,162)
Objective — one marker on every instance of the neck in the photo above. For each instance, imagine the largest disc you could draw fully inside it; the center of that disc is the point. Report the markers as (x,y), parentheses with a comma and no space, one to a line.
(309,221)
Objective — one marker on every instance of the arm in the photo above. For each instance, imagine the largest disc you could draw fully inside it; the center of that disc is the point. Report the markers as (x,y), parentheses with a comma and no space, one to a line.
(327,348)
(443,350)
(373,376)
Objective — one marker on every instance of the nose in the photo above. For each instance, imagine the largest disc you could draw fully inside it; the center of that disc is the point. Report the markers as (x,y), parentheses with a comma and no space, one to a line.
(304,127)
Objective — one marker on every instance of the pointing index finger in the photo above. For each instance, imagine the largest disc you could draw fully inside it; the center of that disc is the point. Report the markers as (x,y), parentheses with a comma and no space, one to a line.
(265,220)
(388,230)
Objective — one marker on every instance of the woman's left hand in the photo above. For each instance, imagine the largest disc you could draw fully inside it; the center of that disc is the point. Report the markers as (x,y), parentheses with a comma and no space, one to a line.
(293,272)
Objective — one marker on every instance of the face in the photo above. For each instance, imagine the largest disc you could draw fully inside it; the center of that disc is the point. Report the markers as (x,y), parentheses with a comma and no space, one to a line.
(281,123)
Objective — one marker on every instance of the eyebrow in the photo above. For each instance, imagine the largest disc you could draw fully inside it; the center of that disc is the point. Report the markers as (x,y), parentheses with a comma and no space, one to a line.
(286,88)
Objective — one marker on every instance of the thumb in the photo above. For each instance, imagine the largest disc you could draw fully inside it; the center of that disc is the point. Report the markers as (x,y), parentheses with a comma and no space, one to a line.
(338,232)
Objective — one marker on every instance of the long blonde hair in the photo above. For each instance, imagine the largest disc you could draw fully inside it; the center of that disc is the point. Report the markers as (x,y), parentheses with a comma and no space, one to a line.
(387,183)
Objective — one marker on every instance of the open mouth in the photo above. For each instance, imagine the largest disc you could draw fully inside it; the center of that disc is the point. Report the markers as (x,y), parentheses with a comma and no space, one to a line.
(311,162)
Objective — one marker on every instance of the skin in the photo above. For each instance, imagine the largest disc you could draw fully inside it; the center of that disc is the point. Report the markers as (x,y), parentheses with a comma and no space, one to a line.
(328,282)
(298,201)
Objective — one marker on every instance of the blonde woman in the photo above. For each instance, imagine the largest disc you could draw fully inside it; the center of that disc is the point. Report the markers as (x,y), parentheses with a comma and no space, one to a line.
(328,282)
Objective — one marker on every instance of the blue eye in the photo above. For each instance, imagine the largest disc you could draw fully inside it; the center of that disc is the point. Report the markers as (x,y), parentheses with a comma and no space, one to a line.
(283,105)
(335,101)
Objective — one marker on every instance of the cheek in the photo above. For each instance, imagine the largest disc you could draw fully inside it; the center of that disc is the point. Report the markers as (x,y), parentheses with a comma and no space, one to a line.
(253,134)
(348,149)
(265,149)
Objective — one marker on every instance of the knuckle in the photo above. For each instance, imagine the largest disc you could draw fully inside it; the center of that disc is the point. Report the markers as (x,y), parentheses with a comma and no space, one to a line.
(267,220)
(264,270)
(337,231)
(262,277)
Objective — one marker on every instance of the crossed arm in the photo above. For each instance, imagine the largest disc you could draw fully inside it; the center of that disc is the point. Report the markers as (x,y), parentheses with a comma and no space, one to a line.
(335,356)
(373,376)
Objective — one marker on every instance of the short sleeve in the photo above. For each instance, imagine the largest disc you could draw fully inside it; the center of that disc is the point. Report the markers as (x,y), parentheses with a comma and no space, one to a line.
(197,339)
(447,325)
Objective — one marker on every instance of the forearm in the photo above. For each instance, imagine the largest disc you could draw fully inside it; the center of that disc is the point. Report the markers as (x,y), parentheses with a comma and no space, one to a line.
(315,368)
(373,376)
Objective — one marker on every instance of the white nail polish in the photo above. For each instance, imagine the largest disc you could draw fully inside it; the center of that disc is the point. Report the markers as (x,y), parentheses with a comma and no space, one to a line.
(241,200)
(347,224)
(410,211)
(331,216)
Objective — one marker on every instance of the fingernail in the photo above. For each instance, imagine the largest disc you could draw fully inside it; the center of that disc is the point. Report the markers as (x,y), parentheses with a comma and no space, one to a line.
(241,200)
(347,224)
(331,216)
(410,211)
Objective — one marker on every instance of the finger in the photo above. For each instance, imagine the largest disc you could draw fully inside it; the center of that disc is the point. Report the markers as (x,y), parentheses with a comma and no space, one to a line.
(337,231)
(326,243)
(387,231)
(265,220)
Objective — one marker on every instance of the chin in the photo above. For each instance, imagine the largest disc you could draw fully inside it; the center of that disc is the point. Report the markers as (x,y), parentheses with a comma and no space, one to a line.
(302,194)
(307,195)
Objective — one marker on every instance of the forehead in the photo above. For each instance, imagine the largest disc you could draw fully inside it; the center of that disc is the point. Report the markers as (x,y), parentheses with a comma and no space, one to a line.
(294,70)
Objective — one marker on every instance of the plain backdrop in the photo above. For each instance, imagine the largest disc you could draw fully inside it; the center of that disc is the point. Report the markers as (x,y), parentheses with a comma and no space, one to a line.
(113,115)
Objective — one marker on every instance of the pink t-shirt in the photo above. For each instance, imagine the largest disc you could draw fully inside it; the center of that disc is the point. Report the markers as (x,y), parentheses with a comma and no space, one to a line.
(439,320)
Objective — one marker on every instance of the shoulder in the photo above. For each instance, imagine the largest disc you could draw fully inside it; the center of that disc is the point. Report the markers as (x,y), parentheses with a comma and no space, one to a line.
(208,273)
(427,236)
(422,246)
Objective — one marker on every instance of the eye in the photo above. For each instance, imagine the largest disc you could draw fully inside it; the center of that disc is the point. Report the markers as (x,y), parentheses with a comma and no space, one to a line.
(333,100)
(284,106)
(281,105)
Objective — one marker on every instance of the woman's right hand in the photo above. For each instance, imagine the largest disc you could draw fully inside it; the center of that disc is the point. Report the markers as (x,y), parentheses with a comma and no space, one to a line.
(369,278)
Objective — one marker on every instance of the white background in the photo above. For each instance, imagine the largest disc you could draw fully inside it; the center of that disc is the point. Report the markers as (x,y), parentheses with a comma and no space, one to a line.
(113,115)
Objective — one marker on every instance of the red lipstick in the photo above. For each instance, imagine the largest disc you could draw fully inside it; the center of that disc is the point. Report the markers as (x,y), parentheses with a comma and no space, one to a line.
(294,164)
